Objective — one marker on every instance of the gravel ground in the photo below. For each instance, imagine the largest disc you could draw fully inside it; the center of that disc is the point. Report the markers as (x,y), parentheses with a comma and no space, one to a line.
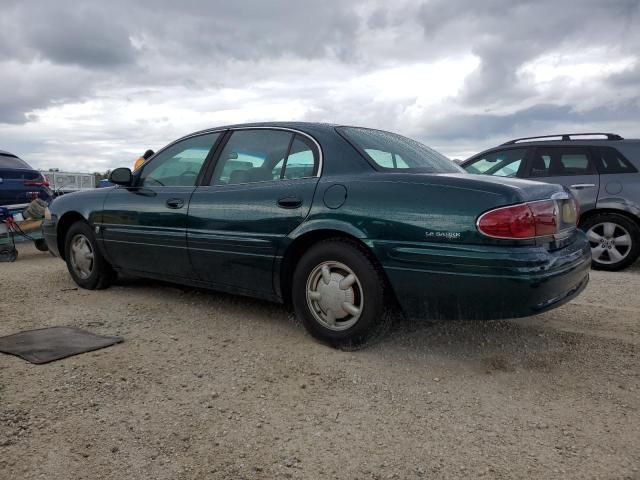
(209,385)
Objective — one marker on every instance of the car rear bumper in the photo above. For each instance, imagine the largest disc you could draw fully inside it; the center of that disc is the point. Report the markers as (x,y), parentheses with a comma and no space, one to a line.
(439,281)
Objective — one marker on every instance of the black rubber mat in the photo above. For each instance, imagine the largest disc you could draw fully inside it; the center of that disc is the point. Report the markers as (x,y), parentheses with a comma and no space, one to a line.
(48,344)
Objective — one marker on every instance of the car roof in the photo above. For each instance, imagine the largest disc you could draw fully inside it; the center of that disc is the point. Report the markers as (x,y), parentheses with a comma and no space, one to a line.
(293,125)
(555,143)
(566,143)
(8,154)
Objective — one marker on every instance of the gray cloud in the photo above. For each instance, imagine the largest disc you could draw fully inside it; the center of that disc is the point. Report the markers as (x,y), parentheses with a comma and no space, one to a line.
(505,34)
(301,59)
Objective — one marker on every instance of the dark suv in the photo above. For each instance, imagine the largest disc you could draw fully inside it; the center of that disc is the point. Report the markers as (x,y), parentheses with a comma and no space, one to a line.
(601,169)
(19,183)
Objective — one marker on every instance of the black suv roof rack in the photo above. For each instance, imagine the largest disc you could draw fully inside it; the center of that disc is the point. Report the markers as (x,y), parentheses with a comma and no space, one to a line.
(565,137)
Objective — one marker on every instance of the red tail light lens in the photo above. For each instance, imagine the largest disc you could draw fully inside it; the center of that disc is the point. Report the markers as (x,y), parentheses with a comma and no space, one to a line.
(508,222)
(545,216)
(525,220)
(38,182)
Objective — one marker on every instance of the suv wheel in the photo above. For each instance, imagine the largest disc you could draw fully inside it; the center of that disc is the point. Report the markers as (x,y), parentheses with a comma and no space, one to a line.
(339,293)
(614,239)
(87,266)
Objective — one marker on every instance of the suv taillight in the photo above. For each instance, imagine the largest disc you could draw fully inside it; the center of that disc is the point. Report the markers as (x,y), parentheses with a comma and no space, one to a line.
(530,220)
(38,182)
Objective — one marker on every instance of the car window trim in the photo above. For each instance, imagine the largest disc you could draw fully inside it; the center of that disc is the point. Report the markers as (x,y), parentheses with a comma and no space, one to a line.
(286,157)
(587,150)
(206,180)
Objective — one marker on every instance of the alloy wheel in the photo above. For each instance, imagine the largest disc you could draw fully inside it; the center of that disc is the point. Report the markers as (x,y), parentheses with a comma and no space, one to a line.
(610,243)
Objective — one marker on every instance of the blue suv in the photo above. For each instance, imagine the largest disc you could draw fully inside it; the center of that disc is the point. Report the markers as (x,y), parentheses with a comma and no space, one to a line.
(601,170)
(19,183)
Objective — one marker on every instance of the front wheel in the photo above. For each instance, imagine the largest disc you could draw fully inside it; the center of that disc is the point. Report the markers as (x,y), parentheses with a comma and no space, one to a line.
(85,263)
(614,239)
(339,293)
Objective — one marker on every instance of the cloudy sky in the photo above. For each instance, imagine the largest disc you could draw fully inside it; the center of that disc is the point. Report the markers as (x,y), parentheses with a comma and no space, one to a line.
(90,85)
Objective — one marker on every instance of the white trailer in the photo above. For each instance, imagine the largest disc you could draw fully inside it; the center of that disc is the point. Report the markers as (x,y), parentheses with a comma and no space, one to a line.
(67,182)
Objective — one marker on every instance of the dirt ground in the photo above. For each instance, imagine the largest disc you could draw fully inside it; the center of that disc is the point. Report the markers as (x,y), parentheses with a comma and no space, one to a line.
(208,385)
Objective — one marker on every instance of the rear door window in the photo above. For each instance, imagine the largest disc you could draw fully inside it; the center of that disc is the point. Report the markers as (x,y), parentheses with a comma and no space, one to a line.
(560,161)
(252,156)
(262,155)
(302,160)
(501,163)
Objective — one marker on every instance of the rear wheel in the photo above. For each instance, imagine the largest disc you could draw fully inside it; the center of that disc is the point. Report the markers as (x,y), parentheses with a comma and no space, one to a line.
(85,263)
(614,240)
(339,293)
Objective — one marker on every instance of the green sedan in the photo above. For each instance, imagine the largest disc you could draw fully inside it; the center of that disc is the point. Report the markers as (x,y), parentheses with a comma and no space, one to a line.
(341,222)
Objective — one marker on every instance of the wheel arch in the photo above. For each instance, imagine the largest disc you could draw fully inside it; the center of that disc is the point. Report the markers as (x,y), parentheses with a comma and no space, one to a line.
(64,224)
(609,210)
(300,244)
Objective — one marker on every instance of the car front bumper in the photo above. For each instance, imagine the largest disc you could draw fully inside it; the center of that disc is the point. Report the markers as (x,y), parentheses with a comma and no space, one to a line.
(439,281)
(49,232)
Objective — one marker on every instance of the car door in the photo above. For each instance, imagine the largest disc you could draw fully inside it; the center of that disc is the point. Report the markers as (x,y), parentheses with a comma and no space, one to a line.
(570,166)
(260,189)
(144,227)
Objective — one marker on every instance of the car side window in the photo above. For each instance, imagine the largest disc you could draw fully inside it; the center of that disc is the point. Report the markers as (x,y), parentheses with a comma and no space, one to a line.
(261,155)
(301,160)
(179,164)
(552,162)
(612,161)
(252,156)
(501,163)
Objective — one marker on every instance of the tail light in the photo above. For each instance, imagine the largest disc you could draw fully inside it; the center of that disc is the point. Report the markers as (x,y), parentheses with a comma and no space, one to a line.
(530,220)
(38,182)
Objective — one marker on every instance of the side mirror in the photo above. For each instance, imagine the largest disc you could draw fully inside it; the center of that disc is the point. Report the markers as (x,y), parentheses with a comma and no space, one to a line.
(121,176)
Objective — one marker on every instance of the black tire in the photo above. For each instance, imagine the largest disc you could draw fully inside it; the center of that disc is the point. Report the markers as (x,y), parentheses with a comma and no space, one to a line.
(41,245)
(8,254)
(623,223)
(100,275)
(369,291)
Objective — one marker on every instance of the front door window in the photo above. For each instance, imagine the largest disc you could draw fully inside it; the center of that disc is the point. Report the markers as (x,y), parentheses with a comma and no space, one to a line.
(179,164)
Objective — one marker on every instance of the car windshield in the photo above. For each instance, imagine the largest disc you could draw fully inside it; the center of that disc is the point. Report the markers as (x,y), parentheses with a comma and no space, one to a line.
(389,151)
(9,161)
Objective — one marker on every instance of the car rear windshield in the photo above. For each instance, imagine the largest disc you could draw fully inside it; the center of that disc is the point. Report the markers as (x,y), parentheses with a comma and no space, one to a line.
(390,151)
(9,161)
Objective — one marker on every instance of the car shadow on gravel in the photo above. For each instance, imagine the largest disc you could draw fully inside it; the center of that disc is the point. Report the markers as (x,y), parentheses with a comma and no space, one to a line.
(499,345)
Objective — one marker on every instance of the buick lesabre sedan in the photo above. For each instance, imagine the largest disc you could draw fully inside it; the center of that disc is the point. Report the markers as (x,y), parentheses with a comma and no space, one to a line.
(341,222)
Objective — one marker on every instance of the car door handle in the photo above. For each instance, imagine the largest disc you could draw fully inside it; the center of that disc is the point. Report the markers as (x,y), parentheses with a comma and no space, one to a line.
(580,186)
(175,203)
(290,202)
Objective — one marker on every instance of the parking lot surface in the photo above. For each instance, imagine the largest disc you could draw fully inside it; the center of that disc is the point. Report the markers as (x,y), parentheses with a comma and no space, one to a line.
(208,385)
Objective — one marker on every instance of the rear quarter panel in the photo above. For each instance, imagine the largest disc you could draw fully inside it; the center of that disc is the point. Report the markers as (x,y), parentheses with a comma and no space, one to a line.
(422,229)
(622,191)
